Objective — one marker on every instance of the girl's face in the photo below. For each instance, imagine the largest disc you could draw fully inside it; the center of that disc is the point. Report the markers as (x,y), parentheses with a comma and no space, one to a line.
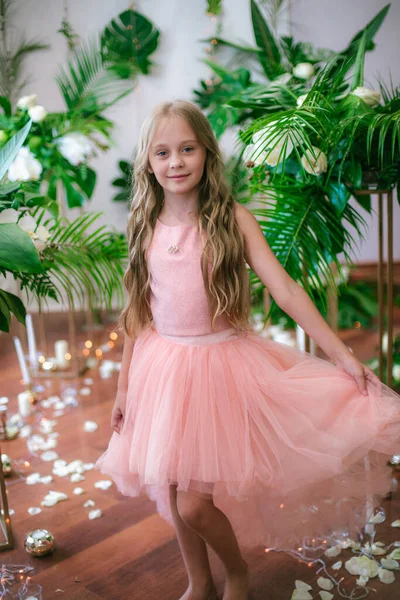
(176,157)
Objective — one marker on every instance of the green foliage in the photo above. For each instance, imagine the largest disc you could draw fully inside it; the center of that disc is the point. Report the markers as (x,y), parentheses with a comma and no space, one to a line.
(214,7)
(123,181)
(9,303)
(127,42)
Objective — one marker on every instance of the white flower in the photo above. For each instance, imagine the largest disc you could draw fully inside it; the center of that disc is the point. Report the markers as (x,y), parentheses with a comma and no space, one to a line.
(9,215)
(252,156)
(396,372)
(386,576)
(25,166)
(314,166)
(370,97)
(39,234)
(37,113)
(303,70)
(362,565)
(272,142)
(27,101)
(75,147)
(301,99)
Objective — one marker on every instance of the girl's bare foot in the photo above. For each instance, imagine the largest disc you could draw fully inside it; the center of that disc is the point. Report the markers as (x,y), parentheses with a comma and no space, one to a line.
(237,585)
(206,592)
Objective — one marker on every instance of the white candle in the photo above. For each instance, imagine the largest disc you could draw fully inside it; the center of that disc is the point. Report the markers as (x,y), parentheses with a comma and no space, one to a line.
(24,404)
(31,342)
(24,369)
(60,350)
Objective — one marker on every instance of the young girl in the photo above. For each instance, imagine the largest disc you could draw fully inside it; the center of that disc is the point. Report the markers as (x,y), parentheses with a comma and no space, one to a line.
(241,441)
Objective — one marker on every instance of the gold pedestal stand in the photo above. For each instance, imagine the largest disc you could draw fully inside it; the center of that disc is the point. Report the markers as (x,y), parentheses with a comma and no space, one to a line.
(381,193)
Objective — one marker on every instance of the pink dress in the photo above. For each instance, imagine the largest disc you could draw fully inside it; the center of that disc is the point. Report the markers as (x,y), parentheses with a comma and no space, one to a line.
(282,441)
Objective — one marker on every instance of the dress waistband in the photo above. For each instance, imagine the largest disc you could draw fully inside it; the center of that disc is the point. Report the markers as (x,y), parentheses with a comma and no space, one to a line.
(204,340)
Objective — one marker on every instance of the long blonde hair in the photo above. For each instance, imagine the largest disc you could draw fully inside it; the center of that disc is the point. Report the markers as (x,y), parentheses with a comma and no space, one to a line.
(228,288)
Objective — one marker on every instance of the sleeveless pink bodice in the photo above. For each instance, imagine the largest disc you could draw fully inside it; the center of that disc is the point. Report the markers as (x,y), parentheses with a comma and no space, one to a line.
(178,298)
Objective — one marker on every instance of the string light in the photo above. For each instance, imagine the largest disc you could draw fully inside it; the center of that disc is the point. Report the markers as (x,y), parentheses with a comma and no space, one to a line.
(67,356)
(110,344)
(85,352)
(88,344)
(113,335)
(99,352)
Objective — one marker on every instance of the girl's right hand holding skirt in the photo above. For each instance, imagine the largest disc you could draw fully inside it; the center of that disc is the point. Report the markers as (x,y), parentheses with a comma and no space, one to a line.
(118,412)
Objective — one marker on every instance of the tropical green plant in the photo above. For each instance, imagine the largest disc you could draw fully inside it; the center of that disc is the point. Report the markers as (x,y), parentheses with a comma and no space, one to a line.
(286,65)
(308,142)
(13,53)
(124,182)
(47,254)
(98,73)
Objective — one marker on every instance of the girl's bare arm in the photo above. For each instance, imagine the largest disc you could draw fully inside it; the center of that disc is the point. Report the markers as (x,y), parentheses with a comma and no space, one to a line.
(125,362)
(290,296)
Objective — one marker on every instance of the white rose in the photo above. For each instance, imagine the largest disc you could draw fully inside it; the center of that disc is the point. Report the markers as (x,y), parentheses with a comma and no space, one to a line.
(301,99)
(75,147)
(9,215)
(272,141)
(396,372)
(303,70)
(27,101)
(37,113)
(38,234)
(25,166)
(370,97)
(314,166)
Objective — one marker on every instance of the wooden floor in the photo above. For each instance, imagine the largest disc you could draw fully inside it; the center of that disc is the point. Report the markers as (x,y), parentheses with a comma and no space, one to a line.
(129,553)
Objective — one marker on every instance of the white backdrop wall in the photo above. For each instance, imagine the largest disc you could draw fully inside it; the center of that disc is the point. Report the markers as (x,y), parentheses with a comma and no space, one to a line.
(179,67)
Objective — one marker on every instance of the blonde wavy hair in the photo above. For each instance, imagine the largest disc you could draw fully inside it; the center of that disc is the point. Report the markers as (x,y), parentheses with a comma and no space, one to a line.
(228,288)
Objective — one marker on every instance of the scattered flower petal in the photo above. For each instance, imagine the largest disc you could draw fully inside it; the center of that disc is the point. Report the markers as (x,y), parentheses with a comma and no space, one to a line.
(90,426)
(326,595)
(338,565)
(34,510)
(362,580)
(95,514)
(324,583)
(85,391)
(48,456)
(89,503)
(103,484)
(78,491)
(334,551)
(386,576)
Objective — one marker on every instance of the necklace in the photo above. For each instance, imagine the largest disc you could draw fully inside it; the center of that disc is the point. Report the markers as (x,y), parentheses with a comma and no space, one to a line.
(173,248)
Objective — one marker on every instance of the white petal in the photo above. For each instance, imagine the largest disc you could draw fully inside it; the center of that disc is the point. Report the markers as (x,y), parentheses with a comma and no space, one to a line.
(396,523)
(27,223)
(324,583)
(95,514)
(104,484)
(89,503)
(34,510)
(386,576)
(302,585)
(334,551)
(78,491)
(48,456)
(77,477)
(9,215)
(85,391)
(326,596)
(337,565)
(90,426)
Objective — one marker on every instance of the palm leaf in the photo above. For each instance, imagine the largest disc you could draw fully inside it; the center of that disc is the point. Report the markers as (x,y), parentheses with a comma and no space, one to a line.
(86,85)
(271,61)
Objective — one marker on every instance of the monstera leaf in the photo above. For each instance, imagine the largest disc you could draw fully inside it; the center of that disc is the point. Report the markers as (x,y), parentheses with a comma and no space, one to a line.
(127,43)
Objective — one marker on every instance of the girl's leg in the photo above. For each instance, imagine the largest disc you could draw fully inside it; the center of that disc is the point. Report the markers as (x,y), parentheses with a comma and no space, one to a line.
(214,527)
(195,556)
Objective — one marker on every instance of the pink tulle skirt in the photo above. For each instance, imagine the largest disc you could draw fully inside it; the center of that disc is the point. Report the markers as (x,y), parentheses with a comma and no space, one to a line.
(282,442)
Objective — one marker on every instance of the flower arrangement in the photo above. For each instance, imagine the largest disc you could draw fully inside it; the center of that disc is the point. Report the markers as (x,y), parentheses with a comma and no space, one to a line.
(308,136)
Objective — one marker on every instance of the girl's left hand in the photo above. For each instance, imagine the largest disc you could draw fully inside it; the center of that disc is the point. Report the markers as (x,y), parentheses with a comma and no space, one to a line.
(361,373)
